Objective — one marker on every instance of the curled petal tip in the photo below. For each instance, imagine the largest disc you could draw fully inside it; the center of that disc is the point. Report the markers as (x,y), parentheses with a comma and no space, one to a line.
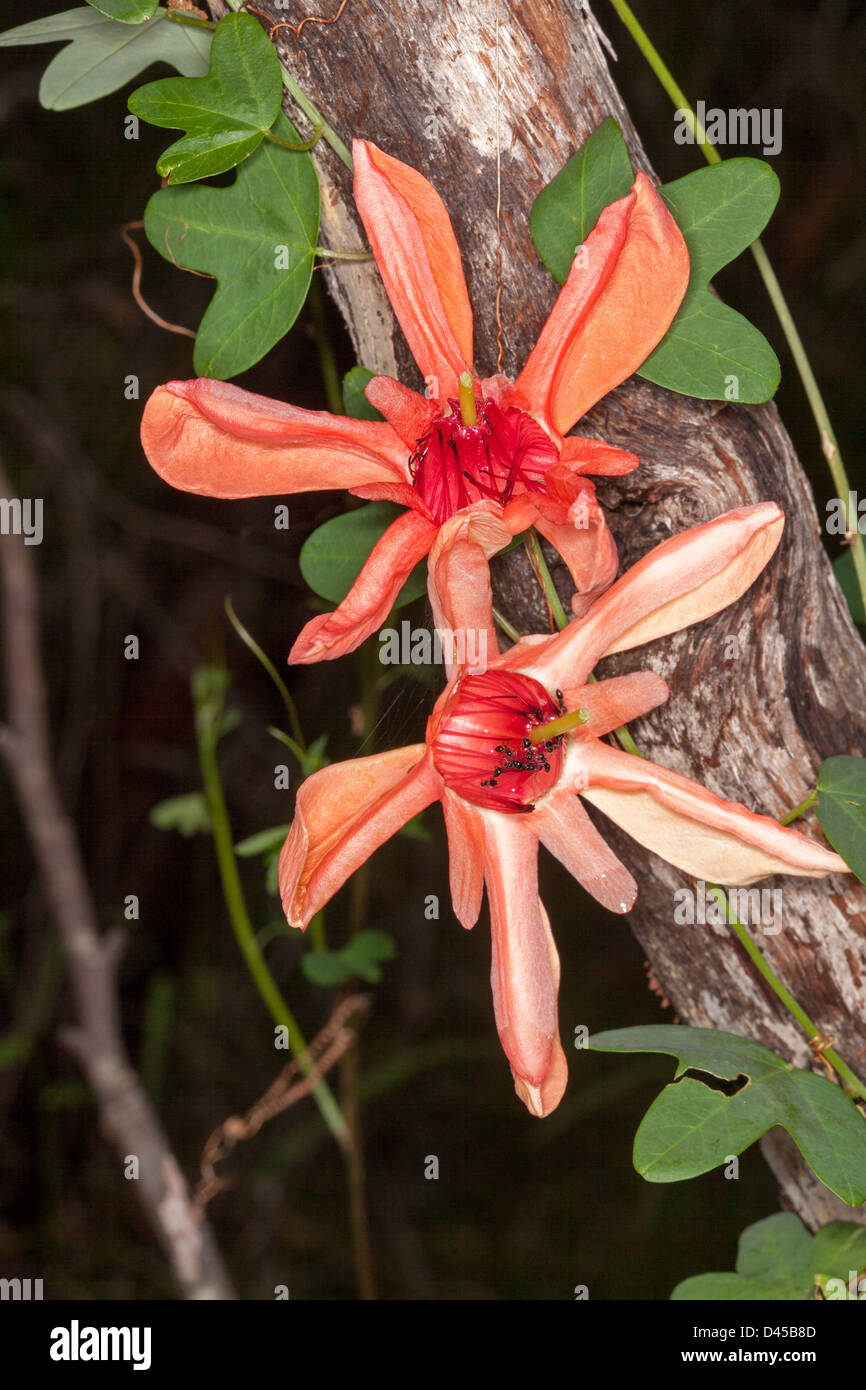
(531,1097)
(541,1098)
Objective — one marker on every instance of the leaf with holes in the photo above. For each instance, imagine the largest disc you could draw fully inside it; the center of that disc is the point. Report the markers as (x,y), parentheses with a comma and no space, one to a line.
(842,809)
(125,11)
(729,1091)
(332,557)
(257,237)
(778,1259)
(102,56)
(225,114)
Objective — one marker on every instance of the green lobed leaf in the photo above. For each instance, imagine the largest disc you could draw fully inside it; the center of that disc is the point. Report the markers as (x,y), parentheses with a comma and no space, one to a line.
(187,814)
(837,1250)
(720,211)
(257,237)
(778,1259)
(268,845)
(774,1250)
(842,809)
(226,113)
(209,685)
(710,350)
(263,842)
(332,557)
(102,56)
(326,968)
(843,567)
(565,212)
(362,956)
(692,1127)
(315,756)
(125,11)
(355,403)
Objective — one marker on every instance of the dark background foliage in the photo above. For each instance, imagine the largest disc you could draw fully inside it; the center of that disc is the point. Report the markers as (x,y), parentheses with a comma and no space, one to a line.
(521,1209)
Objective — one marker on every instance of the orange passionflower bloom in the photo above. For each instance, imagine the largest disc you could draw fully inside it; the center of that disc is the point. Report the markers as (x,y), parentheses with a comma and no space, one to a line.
(477,449)
(504,792)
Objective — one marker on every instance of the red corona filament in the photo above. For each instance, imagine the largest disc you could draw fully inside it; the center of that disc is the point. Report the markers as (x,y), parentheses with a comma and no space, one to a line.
(505,454)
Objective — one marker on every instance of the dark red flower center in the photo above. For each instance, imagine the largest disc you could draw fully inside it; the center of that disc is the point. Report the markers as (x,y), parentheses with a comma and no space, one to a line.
(481,747)
(505,454)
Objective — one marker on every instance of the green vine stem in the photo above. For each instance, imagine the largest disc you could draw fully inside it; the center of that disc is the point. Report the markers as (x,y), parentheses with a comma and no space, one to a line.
(344,255)
(297,746)
(507,627)
(302,147)
(350,1062)
(852,1082)
(317,931)
(208,724)
(801,809)
(250,641)
(325,348)
(282,737)
(318,120)
(539,564)
(309,110)
(829,442)
(184,17)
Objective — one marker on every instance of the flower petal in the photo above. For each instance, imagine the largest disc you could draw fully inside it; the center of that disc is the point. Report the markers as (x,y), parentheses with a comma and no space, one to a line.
(458,583)
(419,261)
(682,581)
(589,551)
(371,597)
(541,1100)
(213,438)
(624,288)
(465,857)
(584,455)
(690,827)
(524,989)
(563,827)
(401,493)
(407,412)
(342,814)
(615,701)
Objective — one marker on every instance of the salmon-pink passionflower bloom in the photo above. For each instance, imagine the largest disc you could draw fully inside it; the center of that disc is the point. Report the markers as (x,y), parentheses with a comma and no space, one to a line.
(471,448)
(503,793)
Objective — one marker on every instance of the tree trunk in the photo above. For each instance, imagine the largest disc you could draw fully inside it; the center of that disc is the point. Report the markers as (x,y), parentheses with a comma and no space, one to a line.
(422,83)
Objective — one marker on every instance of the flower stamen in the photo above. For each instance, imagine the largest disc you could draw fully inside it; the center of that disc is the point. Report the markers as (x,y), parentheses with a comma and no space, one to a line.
(468,411)
(483,747)
(482,451)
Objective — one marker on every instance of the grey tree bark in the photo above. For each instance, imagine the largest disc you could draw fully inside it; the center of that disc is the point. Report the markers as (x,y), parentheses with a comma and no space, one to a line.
(421,81)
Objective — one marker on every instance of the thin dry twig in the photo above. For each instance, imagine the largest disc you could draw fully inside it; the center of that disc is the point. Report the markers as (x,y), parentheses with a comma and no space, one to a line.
(296,28)
(325,1050)
(136,284)
(125,1112)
